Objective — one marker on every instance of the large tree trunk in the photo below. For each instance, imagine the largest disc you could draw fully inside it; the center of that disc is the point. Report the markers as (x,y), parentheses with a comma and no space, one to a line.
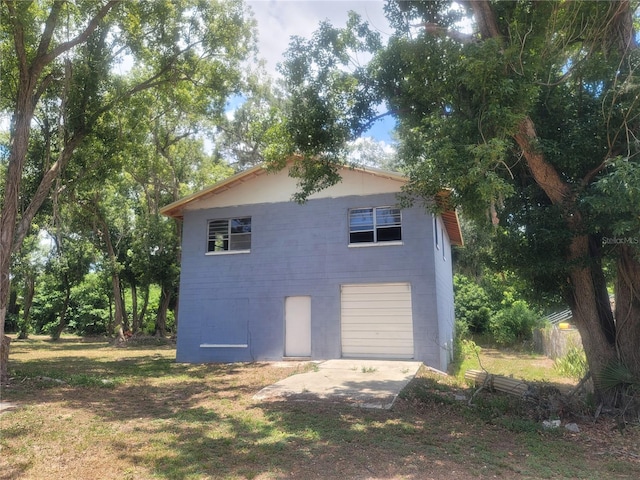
(588,297)
(587,318)
(4,358)
(31,85)
(62,324)
(30,290)
(627,301)
(163,307)
(604,340)
(9,213)
(118,300)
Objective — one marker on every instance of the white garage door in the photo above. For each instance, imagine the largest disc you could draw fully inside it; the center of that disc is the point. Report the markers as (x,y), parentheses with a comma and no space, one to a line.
(377,320)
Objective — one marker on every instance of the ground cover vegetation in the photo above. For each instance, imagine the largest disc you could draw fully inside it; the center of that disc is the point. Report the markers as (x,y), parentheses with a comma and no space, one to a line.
(85,406)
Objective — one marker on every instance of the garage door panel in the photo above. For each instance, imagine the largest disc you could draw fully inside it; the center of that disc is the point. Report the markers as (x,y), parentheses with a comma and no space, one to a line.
(375,345)
(375,304)
(380,287)
(386,336)
(372,352)
(377,320)
(379,327)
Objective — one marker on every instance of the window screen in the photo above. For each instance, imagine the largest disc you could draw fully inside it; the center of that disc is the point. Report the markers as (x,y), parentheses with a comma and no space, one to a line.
(373,225)
(229,234)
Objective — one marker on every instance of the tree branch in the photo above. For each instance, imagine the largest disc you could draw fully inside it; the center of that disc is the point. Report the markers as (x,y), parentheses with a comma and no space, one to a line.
(18,40)
(485,18)
(49,28)
(46,58)
(544,174)
(44,187)
(436,29)
(586,180)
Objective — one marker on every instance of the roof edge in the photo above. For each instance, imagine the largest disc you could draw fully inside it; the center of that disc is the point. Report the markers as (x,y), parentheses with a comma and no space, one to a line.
(449,215)
(174,209)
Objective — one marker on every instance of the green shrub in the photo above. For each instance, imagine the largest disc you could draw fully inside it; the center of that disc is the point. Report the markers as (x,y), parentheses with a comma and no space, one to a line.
(513,324)
(573,364)
(12,322)
(471,304)
(469,349)
(89,306)
(465,353)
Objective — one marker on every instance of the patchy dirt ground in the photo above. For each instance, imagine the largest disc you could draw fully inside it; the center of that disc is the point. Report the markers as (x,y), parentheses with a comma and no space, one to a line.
(133,413)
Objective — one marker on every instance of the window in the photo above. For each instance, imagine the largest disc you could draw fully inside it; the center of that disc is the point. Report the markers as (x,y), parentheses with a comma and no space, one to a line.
(233,234)
(375,225)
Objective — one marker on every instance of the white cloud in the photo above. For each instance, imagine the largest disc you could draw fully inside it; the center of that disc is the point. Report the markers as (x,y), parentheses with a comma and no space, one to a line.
(278,20)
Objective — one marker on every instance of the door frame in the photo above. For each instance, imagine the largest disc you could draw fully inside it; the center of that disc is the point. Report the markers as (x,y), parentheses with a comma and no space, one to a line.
(297,326)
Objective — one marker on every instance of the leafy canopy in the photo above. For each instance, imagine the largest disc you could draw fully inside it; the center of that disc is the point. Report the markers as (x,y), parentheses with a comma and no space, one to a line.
(461,101)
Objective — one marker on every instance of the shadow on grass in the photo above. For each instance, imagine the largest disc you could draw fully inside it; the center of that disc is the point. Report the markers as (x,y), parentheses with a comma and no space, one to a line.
(181,421)
(303,441)
(47,344)
(203,423)
(64,367)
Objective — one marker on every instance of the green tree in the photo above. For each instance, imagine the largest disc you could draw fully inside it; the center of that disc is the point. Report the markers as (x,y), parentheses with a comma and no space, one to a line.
(65,56)
(29,264)
(68,265)
(90,308)
(532,117)
(243,135)
(163,160)
(472,305)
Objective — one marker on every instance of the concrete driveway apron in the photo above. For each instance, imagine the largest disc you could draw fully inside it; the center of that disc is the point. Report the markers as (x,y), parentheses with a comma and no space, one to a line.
(361,383)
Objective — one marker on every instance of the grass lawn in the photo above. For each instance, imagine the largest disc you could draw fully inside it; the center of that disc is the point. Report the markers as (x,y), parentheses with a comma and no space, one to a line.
(88,410)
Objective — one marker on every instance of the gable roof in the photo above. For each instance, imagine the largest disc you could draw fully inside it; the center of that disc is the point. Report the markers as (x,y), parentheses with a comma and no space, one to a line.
(177,208)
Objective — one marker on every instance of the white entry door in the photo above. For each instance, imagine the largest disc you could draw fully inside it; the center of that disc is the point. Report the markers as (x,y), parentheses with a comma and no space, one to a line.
(297,328)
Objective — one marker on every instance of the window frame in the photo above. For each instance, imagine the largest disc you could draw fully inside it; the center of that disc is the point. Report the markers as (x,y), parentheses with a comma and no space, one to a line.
(375,227)
(228,238)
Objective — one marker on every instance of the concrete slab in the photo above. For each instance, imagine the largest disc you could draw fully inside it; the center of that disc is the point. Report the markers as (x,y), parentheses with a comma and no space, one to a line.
(6,406)
(361,383)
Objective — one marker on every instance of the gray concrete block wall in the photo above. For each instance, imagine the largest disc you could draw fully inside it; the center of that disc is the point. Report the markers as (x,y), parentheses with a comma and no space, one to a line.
(296,250)
(444,282)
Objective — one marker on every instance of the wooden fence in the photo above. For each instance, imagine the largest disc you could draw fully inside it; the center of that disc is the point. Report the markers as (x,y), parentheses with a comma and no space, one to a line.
(555,342)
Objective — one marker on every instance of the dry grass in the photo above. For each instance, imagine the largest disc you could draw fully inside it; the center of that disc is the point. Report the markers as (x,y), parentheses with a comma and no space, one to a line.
(523,365)
(133,413)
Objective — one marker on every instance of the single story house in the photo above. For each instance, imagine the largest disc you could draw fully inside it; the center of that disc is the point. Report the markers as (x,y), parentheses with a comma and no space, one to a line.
(349,274)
